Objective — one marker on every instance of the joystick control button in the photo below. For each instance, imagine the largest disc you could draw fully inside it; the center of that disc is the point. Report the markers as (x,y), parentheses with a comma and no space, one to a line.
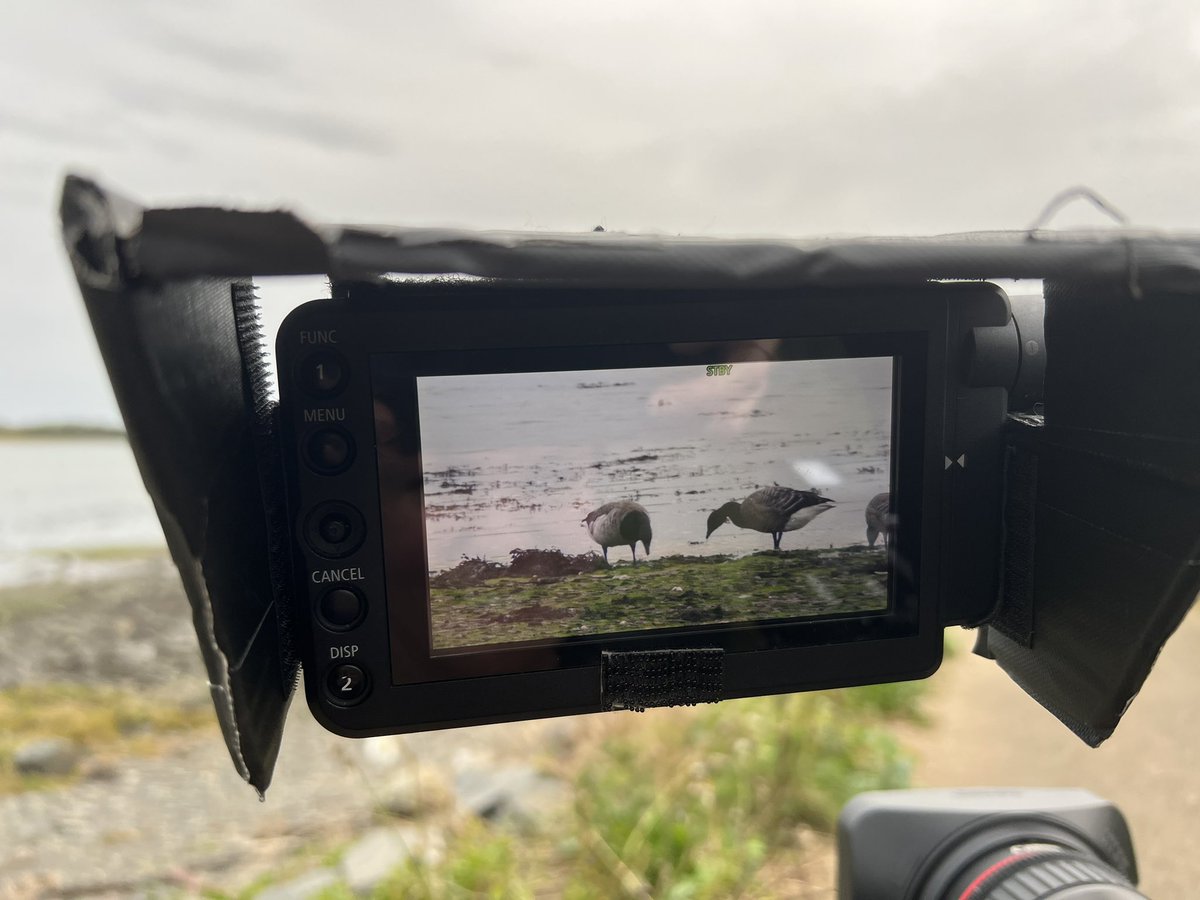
(341,608)
(329,451)
(346,684)
(334,529)
(323,373)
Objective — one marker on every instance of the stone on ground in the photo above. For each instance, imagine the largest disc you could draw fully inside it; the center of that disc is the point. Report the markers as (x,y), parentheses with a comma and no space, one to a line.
(416,791)
(51,756)
(310,884)
(381,851)
(517,796)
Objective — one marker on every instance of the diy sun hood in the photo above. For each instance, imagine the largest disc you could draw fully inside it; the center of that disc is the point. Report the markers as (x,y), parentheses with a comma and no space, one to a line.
(1101,520)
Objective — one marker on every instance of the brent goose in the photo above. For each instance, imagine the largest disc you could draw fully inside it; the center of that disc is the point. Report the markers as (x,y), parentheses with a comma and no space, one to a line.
(771,510)
(879,519)
(618,524)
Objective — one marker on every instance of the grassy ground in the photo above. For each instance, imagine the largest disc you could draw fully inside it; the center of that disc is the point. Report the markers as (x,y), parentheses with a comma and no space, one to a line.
(51,597)
(668,592)
(62,644)
(103,721)
(700,803)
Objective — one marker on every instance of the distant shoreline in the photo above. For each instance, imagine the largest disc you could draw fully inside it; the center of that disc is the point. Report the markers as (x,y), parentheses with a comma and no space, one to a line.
(59,432)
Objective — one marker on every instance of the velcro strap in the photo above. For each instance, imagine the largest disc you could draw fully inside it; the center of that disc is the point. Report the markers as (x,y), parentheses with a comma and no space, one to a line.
(640,680)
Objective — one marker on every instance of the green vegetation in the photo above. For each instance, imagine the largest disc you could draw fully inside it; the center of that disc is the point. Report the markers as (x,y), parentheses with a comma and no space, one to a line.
(700,803)
(695,806)
(107,721)
(668,592)
(58,432)
(482,863)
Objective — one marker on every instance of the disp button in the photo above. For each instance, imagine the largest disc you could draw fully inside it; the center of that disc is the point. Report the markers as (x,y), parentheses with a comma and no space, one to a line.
(346,684)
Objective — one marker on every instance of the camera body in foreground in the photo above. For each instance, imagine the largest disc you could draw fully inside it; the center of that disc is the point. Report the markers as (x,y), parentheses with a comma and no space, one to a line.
(984,844)
(510,501)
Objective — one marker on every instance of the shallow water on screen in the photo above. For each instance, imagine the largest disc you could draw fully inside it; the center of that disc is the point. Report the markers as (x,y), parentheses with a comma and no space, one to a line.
(517,461)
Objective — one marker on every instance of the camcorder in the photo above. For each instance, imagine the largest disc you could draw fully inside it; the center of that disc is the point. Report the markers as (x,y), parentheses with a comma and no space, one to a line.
(519,475)
(460,460)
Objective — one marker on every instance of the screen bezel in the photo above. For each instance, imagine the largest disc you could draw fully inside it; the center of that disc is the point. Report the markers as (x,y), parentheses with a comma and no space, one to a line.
(413,659)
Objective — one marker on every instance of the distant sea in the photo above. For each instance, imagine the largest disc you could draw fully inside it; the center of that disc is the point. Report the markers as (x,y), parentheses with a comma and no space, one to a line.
(59,496)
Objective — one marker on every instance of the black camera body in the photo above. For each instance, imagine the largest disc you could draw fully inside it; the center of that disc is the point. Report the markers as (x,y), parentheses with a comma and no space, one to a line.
(380,387)
(984,844)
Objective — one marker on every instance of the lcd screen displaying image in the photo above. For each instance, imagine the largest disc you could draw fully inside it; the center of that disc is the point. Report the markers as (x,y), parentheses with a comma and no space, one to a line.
(570,505)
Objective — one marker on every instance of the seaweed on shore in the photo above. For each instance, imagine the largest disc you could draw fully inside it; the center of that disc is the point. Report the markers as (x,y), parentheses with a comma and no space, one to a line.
(546,593)
(552,562)
(530,563)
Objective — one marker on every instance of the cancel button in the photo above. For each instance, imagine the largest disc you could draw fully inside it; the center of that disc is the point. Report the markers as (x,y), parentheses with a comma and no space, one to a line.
(341,609)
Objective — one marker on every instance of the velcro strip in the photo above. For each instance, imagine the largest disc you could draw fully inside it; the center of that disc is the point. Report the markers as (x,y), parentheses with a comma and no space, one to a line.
(643,679)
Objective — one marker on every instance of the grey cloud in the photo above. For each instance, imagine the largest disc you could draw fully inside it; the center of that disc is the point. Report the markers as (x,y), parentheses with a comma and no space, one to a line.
(55,127)
(231,53)
(746,118)
(245,111)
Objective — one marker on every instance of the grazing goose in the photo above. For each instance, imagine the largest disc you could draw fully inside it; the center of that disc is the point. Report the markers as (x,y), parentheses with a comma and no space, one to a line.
(771,510)
(620,523)
(879,519)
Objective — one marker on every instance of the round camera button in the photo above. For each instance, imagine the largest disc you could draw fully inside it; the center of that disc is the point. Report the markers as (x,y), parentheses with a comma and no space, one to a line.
(323,373)
(341,609)
(329,451)
(346,684)
(334,529)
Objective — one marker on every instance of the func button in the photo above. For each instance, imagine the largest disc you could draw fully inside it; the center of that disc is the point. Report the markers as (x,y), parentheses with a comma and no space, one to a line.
(334,529)
(329,451)
(341,608)
(346,684)
(323,373)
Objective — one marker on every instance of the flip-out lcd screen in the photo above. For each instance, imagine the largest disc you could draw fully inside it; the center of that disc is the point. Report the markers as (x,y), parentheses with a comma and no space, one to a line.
(728,486)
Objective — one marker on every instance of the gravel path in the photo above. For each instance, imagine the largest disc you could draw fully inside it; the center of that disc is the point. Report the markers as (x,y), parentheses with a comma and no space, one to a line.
(133,629)
(184,818)
(187,819)
(988,732)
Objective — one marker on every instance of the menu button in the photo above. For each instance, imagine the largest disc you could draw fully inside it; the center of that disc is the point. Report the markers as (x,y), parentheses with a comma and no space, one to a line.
(329,451)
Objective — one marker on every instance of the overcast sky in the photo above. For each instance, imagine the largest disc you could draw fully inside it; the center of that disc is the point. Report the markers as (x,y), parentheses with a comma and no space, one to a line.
(691,116)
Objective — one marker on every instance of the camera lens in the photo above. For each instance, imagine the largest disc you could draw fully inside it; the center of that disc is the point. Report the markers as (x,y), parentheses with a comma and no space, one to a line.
(985,844)
(1041,871)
